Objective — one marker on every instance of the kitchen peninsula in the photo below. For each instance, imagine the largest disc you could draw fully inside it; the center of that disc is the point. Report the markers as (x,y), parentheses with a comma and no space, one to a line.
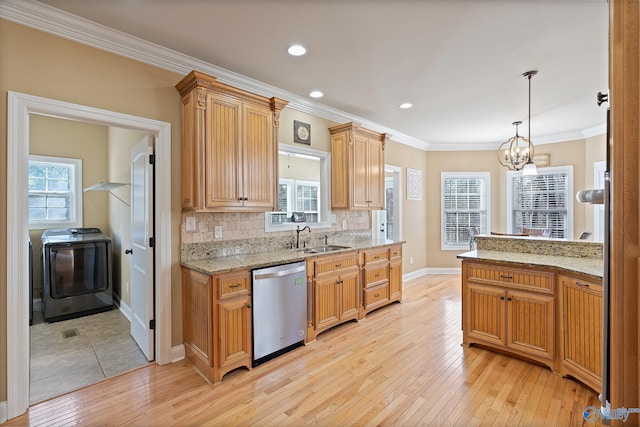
(539,299)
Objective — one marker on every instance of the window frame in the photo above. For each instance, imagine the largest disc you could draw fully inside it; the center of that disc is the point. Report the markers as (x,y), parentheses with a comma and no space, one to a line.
(324,195)
(568,169)
(75,192)
(484,228)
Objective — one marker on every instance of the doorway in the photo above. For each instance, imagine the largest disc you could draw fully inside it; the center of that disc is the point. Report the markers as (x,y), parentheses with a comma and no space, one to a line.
(21,106)
(387,223)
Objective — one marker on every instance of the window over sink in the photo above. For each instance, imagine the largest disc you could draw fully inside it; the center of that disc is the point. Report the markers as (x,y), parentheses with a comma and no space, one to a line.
(303,186)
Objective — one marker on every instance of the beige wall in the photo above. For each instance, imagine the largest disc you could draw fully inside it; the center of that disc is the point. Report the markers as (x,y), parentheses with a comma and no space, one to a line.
(64,138)
(39,64)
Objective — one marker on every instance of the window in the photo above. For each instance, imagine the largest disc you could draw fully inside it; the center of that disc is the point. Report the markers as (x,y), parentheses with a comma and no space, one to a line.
(303,186)
(55,192)
(297,196)
(542,201)
(465,203)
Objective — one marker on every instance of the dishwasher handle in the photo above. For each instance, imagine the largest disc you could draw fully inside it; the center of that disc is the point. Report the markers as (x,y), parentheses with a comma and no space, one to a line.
(280,273)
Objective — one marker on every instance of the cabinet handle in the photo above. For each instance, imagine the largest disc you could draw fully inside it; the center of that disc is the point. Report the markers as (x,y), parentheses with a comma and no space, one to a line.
(237,285)
(339,282)
(509,299)
(584,285)
(248,305)
(338,265)
(377,275)
(502,276)
(376,295)
(502,297)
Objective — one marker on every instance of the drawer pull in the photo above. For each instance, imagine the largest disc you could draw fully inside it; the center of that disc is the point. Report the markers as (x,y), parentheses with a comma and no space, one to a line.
(583,285)
(237,285)
(503,276)
(377,275)
(338,265)
(376,295)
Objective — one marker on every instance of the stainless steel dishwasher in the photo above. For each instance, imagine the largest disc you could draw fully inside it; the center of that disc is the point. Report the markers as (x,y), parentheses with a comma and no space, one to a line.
(279,310)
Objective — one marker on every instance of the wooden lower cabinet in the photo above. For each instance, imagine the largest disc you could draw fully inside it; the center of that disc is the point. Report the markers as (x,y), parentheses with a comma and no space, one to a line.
(217,321)
(336,291)
(536,313)
(581,344)
(508,309)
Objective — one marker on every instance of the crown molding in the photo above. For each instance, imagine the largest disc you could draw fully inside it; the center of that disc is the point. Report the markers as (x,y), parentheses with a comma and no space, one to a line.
(63,24)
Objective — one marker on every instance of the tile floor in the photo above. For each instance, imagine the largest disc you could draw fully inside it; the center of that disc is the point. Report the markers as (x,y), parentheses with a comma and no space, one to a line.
(73,353)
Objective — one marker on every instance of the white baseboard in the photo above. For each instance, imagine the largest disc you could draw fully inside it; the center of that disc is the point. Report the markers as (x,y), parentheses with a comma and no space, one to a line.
(455,270)
(177,353)
(414,274)
(124,308)
(3,411)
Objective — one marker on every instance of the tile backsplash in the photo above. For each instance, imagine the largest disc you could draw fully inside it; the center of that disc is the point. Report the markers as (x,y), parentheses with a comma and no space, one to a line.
(243,233)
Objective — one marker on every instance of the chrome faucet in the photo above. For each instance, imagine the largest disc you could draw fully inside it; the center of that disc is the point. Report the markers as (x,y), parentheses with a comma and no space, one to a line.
(298,230)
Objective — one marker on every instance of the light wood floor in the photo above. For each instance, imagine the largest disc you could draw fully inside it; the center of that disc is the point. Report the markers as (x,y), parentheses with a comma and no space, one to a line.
(402,365)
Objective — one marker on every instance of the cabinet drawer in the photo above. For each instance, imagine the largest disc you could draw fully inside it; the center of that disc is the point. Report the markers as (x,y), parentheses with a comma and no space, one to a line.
(233,284)
(375,295)
(373,255)
(327,265)
(519,278)
(395,251)
(375,275)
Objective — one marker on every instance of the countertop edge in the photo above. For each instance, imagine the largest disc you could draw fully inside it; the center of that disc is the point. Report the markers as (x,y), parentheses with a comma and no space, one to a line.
(255,261)
(589,267)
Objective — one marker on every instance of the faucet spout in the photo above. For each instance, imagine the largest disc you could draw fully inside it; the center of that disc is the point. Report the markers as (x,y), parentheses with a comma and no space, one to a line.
(298,230)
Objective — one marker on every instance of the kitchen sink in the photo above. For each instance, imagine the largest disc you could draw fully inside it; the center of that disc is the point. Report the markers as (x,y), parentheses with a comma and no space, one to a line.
(323,249)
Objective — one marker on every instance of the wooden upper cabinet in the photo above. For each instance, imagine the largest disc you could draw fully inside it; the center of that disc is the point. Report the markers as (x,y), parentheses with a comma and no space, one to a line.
(229,146)
(357,167)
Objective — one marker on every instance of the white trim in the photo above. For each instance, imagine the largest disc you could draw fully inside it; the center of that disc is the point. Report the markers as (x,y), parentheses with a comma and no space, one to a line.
(486,177)
(177,353)
(123,307)
(414,274)
(20,106)
(325,195)
(76,219)
(452,270)
(3,411)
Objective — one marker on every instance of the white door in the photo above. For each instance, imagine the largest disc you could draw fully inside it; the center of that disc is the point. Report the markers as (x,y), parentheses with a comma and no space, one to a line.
(142,280)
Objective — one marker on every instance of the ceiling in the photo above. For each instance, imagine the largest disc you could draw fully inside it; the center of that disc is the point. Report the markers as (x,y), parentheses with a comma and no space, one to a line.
(458,62)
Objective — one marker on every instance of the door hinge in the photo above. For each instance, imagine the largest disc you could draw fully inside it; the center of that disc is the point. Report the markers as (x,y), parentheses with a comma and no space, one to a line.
(152,242)
(152,159)
(152,324)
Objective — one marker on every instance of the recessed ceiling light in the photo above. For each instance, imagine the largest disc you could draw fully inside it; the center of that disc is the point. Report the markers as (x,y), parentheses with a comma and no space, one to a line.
(297,50)
(406,105)
(316,94)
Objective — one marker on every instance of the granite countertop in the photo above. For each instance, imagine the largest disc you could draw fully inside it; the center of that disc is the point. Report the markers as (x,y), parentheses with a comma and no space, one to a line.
(253,261)
(590,266)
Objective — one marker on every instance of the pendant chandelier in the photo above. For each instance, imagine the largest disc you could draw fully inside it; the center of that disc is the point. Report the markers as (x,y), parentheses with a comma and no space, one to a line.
(517,152)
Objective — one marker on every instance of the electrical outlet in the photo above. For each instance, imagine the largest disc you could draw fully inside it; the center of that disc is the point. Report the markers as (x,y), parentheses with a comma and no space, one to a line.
(410,260)
(218,232)
(344,224)
(333,218)
(190,223)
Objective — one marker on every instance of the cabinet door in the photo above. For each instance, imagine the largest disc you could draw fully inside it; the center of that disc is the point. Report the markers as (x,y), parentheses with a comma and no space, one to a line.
(486,313)
(340,171)
(360,171)
(258,158)
(235,331)
(222,152)
(582,327)
(326,301)
(530,323)
(395,279)
(350,294)
(197,312)
(375,178)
